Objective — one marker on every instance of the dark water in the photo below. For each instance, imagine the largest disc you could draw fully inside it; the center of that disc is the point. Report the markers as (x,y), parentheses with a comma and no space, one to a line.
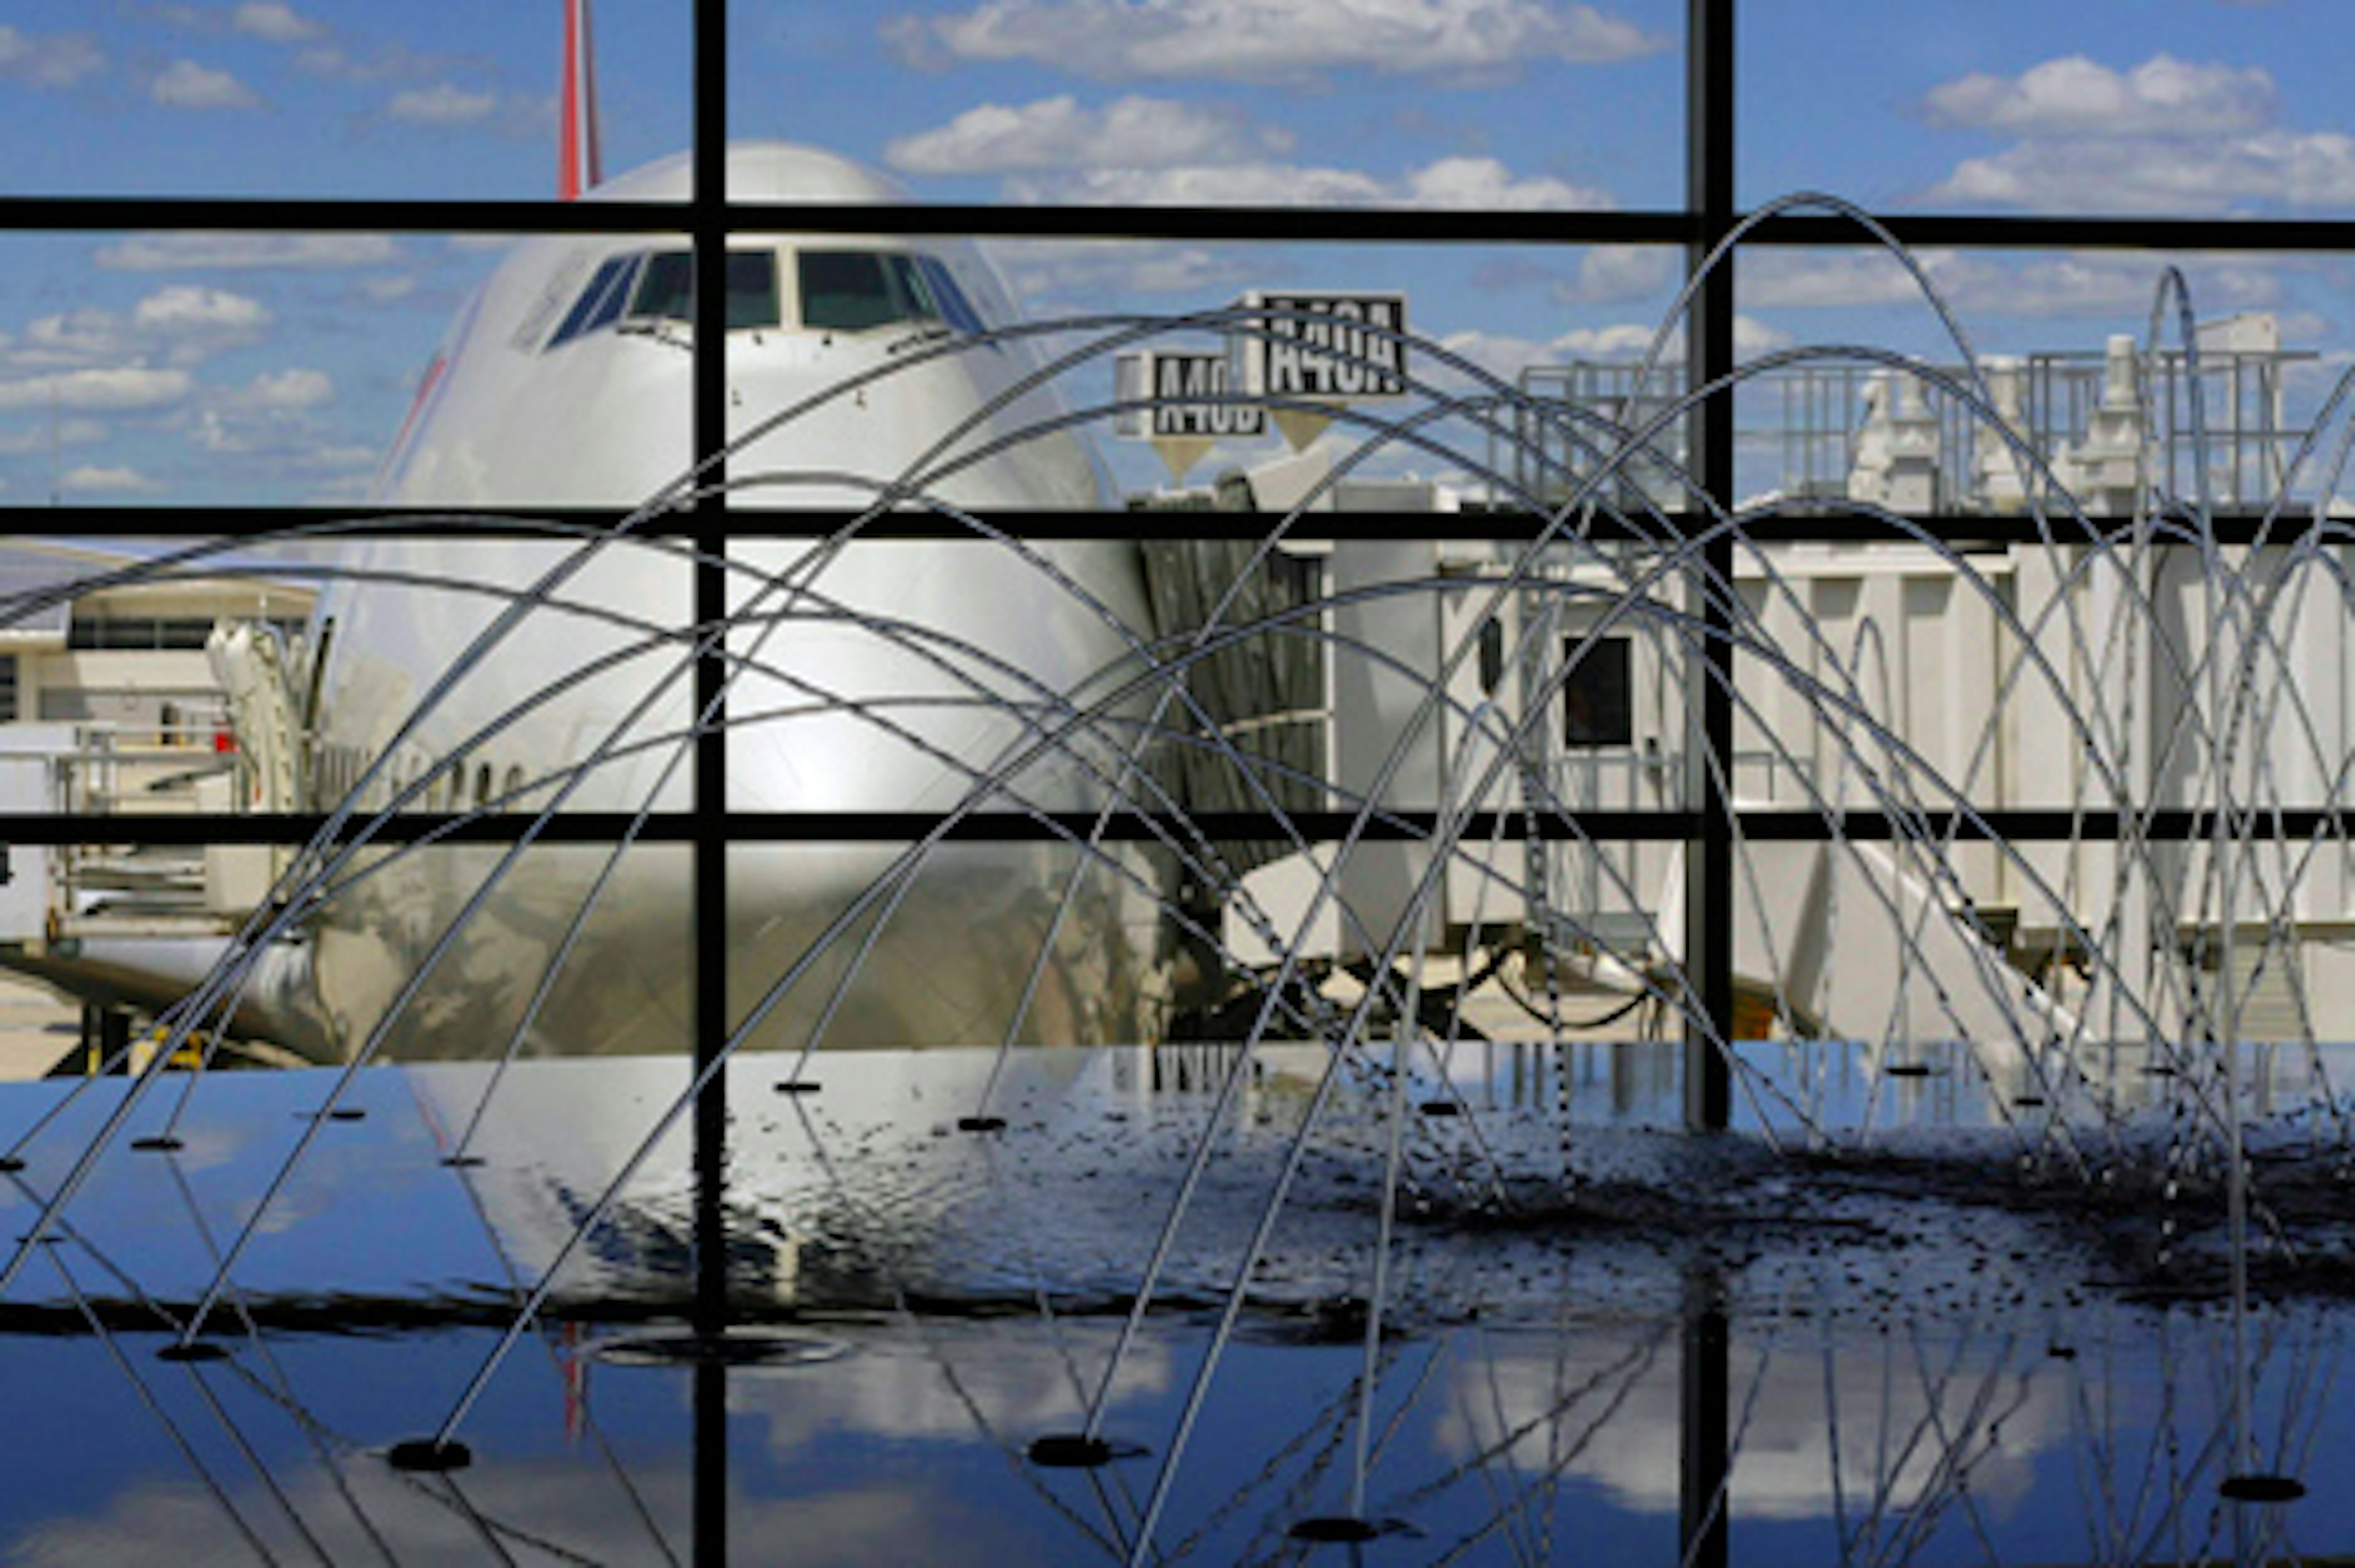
(1927,1322)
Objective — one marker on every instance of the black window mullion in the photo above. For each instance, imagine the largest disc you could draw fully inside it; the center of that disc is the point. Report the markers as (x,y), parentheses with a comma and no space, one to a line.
(253,215)
(709,881)
(1709,697)
(1472,523)
(1704,1377)
(1345,225)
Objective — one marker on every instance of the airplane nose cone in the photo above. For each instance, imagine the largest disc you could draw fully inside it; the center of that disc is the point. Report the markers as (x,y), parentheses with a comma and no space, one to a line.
(909,676)
(930,676)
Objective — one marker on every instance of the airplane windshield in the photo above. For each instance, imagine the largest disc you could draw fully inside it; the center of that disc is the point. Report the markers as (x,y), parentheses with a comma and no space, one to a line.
(856,290)
(840,291)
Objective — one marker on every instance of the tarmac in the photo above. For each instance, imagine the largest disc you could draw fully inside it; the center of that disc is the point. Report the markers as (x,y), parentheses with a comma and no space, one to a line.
(37,1029)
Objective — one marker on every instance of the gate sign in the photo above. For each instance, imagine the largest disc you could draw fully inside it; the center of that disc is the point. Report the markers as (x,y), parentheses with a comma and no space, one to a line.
(1186,389)
(1334,347)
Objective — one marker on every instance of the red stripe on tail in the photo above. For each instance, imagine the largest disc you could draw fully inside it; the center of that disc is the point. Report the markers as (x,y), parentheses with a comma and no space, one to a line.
(578,165)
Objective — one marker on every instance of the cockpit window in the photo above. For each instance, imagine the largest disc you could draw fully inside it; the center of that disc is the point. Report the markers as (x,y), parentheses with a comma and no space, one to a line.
(955,305)
(667,290)
(751,290)
(841,291)
(600,301)
(856,290)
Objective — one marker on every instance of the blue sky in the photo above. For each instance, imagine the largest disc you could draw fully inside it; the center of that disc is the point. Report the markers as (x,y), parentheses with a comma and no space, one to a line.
(192,368)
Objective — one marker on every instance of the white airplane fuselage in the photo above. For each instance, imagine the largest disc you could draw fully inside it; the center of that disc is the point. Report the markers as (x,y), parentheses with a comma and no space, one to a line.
(880,673)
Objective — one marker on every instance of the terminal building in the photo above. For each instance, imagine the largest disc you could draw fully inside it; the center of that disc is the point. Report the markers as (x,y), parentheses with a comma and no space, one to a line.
(115,707)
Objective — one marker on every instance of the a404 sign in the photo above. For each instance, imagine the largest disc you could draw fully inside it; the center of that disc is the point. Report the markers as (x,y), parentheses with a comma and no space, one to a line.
(1323,347)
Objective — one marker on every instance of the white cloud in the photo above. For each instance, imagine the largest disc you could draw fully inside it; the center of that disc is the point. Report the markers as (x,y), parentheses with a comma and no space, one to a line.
(182,324)
(2088,285)
(381,62)
(274,21)
(57,60)
(388,289)
(44,438)
(2076,96)
(1833,280)
(270,417)
(443,103)
(293,451)
(128,390)
(1046,269)
(1752,336)
(1264,40)
(1484,183)
(2167,174)
(287,390)
(201,248)
(185,84)
(1449,183)
(88,480)
(1505,355)
(1248,184)
(71,340)
(1614,274)
(187,308)
(2164,136)
(1057,134)
(291,445)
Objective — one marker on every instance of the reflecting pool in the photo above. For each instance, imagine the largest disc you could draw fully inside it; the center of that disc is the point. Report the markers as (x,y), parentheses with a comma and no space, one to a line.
(1493,1308)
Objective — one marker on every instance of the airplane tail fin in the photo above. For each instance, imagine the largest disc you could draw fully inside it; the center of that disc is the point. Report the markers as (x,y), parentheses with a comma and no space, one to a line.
(579,167)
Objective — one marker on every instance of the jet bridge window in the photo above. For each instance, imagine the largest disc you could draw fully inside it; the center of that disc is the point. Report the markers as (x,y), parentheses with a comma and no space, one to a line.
(1598,693)
(857,291)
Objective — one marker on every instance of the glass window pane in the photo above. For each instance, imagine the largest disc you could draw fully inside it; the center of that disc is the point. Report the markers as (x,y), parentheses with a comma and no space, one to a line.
(2059,336)
(2179,107)
(318,98)
(1552,106)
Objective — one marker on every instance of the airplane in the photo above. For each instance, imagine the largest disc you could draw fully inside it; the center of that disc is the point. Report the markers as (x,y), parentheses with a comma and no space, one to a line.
(887,673)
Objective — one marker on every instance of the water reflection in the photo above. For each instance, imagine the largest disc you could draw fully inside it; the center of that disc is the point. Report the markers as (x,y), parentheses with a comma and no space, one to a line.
(1944,1361)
